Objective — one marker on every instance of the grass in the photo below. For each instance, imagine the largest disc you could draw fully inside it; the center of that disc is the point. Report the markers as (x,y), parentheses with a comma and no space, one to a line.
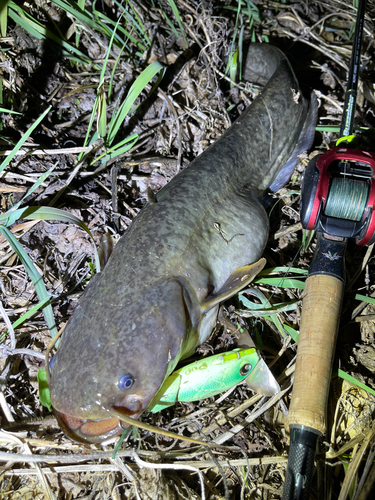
(119,37)
(246,13)
(109,133)
(178,19)
(16,213)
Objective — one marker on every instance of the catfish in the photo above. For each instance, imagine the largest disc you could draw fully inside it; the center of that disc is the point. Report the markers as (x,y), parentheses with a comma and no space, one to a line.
(197,243)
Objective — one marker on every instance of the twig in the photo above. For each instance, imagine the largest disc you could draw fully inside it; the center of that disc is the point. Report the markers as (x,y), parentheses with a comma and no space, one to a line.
(95,146)
(149,465)
(173,109)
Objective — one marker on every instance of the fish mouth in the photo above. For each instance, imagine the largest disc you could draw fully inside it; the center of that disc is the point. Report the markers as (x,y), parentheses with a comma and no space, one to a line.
(88,431)
(95,431)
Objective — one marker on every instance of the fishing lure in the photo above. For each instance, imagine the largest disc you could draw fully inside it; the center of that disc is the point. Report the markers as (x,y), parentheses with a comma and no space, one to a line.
(213,375)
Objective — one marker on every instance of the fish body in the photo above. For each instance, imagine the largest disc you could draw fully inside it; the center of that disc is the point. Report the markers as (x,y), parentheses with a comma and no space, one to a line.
(158,296)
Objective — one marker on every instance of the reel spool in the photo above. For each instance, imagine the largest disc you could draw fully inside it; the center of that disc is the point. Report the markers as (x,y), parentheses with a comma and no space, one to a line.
(338,194)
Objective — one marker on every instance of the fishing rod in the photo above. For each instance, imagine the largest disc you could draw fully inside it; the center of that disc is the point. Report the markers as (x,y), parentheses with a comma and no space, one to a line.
(337,200)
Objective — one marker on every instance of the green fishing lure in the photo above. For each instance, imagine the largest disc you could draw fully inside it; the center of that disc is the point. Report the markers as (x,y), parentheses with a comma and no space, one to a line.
(214,375)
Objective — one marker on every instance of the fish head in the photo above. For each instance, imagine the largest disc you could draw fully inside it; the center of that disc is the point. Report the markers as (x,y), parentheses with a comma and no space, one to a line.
(111,366)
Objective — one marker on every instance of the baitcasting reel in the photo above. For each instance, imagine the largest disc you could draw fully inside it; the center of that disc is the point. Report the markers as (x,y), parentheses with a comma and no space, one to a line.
(338,194)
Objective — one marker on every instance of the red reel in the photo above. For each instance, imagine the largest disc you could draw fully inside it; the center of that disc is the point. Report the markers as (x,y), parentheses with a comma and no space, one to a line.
(343,163)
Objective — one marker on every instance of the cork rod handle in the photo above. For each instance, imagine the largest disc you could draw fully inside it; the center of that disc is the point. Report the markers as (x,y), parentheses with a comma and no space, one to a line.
(316,347)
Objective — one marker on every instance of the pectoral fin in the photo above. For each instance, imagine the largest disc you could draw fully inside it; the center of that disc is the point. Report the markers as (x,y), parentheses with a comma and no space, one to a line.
(167,395)
(151,196)
(240,278)
(106,246)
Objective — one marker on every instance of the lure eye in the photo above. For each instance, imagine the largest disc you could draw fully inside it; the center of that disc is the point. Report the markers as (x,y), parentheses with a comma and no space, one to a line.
(126,382)
(245,369)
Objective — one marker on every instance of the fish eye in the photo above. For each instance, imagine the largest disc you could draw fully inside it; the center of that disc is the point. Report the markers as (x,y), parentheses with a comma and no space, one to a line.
(125,382)
(245,369)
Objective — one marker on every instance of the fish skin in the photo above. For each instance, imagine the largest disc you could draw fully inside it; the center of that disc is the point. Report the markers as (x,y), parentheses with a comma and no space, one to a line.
(158,296)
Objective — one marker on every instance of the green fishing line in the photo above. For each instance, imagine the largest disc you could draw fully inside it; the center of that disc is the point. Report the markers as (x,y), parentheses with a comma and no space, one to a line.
(347,199)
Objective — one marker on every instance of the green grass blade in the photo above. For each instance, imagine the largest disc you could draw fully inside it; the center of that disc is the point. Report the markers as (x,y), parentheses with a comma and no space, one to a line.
(352,380)
(4,110)
(307,237)
(19,19)
(23,139)
(283,270)
(292,332)
(327,128)
(102,73)
(119,149)
(138,86)
(267,306)
(35,186)
(101,126)
(232,50)
(35,277)
(110,88)
(118,40)
(268,311)
(281,282)
(170,24)
(101,120)
(233,67)
(47,213)
(30,312)
(89,129)
(81,5)
(363,298)
(240,50)
(178,19)
(79,13)
(136,22)
(11,217)
(40,31)
(4,17)
(51,213)
(131,138)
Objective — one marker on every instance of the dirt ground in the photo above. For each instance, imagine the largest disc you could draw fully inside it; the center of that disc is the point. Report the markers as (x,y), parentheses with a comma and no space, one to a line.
(194,104)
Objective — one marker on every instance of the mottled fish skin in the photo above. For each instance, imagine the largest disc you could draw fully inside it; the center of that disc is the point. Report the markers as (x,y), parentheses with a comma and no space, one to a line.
(158,296)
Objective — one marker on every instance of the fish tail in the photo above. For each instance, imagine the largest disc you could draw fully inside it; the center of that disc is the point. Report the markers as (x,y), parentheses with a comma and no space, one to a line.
(305,141)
